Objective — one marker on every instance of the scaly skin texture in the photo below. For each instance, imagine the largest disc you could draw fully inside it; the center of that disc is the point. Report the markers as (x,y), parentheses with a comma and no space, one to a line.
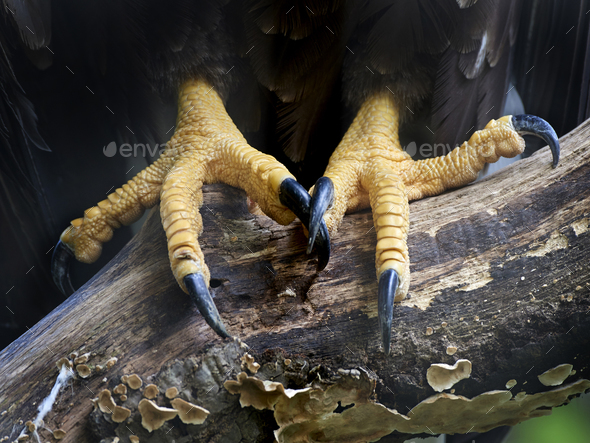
(369,168)
(206,148)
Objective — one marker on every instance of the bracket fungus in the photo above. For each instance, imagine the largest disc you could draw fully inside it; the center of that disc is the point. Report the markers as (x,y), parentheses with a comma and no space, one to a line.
(59,434)
(171,392)
(154,416)
(64,362)
(556,376)
(189,413)
(82,359)
(261,394)
(442,376)
(111,362)
(120,389)
(105,401)
(120,414)
(248,362)
(134,381)
(151,391)
(451,350)
(304,415)
(83,371)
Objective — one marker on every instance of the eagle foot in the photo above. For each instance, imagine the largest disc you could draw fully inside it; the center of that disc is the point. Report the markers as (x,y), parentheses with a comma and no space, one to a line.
(206,148)
(369,168)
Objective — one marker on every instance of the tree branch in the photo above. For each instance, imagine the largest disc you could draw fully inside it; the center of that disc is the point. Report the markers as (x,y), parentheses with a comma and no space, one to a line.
(499,271)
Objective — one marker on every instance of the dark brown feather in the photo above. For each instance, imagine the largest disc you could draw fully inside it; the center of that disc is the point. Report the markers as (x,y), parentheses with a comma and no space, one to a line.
(298,57)
(32,18)
(553,75)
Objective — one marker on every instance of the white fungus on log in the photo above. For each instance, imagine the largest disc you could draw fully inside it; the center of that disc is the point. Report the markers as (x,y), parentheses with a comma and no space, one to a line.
(248,362)
(510,384)
(442,376)
(556,376)
(451,350)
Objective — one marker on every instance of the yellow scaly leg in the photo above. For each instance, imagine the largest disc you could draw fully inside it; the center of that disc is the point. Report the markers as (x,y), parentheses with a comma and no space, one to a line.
(206,148)
(369,167)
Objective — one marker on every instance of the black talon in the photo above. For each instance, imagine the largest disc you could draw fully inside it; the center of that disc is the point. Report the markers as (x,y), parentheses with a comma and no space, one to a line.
(323,195)
(388,283)
(296,198)
(60,268)
(197,289)
(526,124)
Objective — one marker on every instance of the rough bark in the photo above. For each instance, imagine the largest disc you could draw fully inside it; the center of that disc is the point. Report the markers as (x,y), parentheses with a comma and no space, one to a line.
(500,270)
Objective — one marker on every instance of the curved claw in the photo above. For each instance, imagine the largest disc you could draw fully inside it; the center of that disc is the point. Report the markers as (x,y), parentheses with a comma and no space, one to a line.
(296,198)
(526,124)
(388,283)
(323,196)
(60,268)
(197,289)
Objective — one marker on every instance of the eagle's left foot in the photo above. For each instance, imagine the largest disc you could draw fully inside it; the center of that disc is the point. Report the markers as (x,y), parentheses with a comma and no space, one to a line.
(369,167)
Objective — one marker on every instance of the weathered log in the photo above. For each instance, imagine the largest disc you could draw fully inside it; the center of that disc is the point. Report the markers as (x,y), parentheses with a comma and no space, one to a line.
(500,271)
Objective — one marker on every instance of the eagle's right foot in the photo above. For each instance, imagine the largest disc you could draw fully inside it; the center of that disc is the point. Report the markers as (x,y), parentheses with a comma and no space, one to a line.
(206,148)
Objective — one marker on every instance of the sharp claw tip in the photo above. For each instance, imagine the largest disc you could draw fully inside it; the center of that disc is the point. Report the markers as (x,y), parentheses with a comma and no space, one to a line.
(197,289)
(310,242)
(323,261)
(60,268)
(322,198)
(294,196)
(313,231)
(388,284)
(526,124)
(386,341)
